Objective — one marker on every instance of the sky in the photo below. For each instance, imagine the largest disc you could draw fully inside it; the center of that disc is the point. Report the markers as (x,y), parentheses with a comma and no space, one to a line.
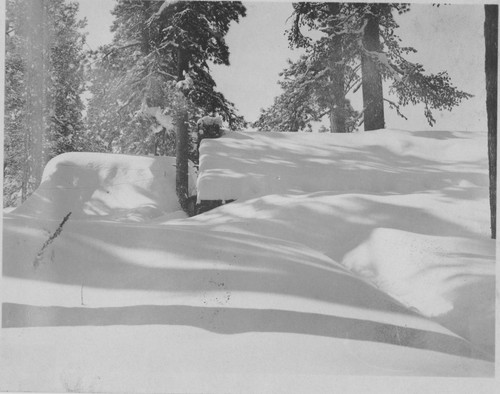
(447,38)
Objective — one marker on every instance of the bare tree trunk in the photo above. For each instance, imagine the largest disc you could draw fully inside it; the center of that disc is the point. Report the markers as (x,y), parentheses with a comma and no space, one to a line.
(337,119)
(491,69)
(35,35)
(337,110)
(182,137)
(26,164)
(373,96)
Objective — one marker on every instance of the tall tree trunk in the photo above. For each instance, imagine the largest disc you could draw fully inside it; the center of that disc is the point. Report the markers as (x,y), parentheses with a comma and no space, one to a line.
(337,120)
(337,109)
(491,68)
(26,163)
(182,137)
(373,96)
(36,93)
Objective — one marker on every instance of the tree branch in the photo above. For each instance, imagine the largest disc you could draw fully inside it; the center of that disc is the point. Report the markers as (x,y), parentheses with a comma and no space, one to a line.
(128,45)
(392,104)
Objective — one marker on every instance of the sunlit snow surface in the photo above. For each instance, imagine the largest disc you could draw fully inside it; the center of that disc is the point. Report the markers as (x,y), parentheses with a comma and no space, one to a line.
(406,210)
(358,254)
(104,186)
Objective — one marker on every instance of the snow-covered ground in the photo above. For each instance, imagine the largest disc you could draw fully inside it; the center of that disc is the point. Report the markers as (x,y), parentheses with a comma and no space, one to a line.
(356,254)
(408,211)
(105,187)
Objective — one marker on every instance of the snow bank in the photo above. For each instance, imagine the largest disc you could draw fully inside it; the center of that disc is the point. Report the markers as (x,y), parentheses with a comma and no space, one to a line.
(406,210)
(359,254)
(105,186)
(149,307)
(449,278)
(246,165)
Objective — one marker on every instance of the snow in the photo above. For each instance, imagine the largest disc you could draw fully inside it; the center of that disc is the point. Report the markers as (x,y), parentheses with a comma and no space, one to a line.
(165,4)
(408,211)
(382,162)
(164,120)
(103,186)
(209,121)
(186,83)
(359,254)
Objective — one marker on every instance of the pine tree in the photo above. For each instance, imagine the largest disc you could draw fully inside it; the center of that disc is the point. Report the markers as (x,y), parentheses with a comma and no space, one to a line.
(373,95)
(35,45)
(44,80)
(360,38)
(116,120)
(330,71)
(66,61)
(306,98)
(166,48)
(15,138)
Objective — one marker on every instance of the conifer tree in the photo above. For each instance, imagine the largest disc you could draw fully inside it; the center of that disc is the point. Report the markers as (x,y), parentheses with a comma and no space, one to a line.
(166,48)
(373,95)
(44,81)
(305,99)
(360,41)
(16,163)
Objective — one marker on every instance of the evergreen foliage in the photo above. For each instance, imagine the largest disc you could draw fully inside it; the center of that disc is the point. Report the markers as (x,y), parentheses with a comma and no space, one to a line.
(44,81)
(139,70)
(342,44)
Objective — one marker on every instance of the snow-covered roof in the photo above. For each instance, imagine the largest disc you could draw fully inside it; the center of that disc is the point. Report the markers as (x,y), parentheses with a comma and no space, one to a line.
(101,185)
(246,165)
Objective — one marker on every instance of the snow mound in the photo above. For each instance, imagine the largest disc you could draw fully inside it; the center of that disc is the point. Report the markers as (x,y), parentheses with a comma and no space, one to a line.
(105,186)
(449,278)
(407,211)
(247,165)
(358,254)
(187,299)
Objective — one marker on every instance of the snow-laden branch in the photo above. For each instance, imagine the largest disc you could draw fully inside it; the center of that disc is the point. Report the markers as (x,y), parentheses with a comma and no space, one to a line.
(211,31)
(157,113)
(165,4)
(166,73)
(124,46)
(361,30)
(186,84)
(381,58)
(165,44)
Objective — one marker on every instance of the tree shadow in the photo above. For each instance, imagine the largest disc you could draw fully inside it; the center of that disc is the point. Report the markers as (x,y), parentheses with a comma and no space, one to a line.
(331,222)
(437,134)
(365,169)
(230,321)
(62,191)
(98,190)
(177,259)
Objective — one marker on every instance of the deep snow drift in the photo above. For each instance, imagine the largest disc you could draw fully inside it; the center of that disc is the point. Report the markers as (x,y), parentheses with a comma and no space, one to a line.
(104,186)
(360,254)
(407,210)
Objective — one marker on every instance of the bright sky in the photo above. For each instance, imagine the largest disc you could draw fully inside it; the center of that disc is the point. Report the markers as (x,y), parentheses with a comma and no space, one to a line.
(447,38)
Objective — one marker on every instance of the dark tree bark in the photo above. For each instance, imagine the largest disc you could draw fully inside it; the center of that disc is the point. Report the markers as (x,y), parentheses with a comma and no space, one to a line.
(337,110)
(491,68)
(373,96)
(182,137)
